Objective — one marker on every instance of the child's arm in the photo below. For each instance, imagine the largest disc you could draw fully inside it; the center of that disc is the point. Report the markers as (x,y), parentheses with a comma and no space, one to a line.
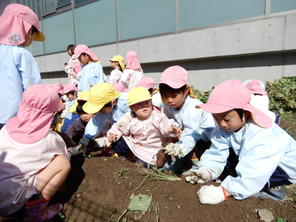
(28,68)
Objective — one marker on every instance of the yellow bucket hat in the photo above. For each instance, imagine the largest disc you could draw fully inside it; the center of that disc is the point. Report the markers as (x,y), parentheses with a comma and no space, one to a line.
(82,96)
(137,95)
(99,95)
(119,59)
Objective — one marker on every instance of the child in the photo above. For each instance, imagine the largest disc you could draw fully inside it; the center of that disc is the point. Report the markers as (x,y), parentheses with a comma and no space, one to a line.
(117,63)
(259,97)
(266,154)
(70,91)
(108,106)
(196,124)
(73,67)
(19,27)
(133,72)
(143,130)
(91,71)
(149,84)
(76,129)
(33,158)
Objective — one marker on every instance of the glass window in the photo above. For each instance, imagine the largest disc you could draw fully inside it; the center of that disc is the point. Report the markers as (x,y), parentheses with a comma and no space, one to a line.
(63,3)
(36,48)
(96,23)
(80,2)
(198,13)
(59,32)
(139,18)
(282,5)
(49,6)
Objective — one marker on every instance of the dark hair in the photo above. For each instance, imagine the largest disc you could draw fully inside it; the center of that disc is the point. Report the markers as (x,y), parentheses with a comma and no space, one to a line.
(71,47)
(109,104)
(79,109)
(240,112)
(34,29)
(165,89)
(71,92)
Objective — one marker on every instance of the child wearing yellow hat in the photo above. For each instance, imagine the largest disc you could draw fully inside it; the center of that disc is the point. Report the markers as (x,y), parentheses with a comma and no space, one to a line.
(117,62)
(143,130)
(108,106)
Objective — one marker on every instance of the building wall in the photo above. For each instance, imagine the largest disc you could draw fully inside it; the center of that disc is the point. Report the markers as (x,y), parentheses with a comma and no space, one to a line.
(214,40)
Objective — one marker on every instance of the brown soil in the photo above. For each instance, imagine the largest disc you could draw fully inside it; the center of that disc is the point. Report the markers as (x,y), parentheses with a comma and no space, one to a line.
(109,182)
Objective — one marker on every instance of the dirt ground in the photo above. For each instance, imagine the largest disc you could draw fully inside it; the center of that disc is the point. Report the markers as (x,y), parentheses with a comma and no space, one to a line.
(100,190)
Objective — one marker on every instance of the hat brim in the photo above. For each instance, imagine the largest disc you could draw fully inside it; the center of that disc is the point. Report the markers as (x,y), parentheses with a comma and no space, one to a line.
(172,83)
(39,37)
(91,108)
(215,108)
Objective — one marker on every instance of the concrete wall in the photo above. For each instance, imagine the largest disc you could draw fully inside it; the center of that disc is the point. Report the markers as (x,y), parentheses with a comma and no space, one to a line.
(262,48)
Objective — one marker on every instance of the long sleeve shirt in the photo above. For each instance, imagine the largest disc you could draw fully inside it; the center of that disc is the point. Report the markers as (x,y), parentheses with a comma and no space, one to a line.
(144,138)
(18,71)
(103,122)
(130,78)
(195,123)
(260,151)
(90,74)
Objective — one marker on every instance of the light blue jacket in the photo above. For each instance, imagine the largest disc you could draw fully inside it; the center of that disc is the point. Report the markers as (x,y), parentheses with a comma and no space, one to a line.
(260,152)
(195,123)
(18,71)
(89,75)
(102,122)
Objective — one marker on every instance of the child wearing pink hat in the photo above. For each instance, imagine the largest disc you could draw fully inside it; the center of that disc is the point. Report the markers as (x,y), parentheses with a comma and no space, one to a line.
(133,72)
(34,161)
(196,124)
(70,91)
(19,27)
(73,67)
(265,154)
(91,71)
(259,97)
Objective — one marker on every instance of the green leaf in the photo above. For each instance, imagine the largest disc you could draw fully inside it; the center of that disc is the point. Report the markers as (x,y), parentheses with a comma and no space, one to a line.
(140,202)
(281,219)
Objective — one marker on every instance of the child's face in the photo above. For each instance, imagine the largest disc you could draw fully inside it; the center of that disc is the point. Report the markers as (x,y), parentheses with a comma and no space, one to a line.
(114,64)
(29,38)
(86,117)
(71,96)
(174,100)
(229,121)
(83,59)
(143,109)
(108,109)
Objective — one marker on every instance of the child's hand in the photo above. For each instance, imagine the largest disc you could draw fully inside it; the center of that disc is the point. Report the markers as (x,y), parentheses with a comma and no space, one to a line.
(175,130)
(112,137)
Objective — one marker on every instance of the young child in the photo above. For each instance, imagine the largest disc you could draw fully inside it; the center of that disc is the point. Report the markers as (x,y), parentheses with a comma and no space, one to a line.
(108,106)
(133,72)
(197,125)
(19,27)
(259,97)
(70,91)
(91,71)
(33,158)
(266,154)
(117,63)
(149,84)
(143,130)
(73,67)
(76,129)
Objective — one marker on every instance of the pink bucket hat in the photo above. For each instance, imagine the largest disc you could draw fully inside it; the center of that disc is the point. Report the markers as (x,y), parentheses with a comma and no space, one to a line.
(232,94)
(256,87)
(35,114)
(146,82)
(119,87)
(68,88)
(131,60)
(79,49)
(58,87)
(175,77)
(16,21)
